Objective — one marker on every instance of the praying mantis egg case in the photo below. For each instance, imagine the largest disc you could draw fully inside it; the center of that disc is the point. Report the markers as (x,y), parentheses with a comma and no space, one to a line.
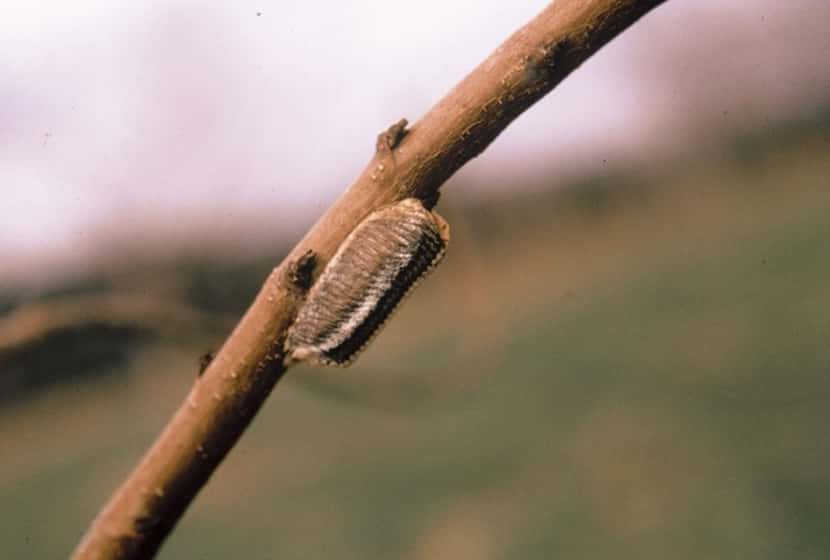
(379,262)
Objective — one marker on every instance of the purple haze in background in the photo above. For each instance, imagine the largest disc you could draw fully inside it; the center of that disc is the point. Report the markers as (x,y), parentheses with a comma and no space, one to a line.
(177,122)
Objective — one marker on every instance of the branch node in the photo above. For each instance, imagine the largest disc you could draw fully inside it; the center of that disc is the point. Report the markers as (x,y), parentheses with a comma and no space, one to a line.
(301,271)
(204,362)
(390,138)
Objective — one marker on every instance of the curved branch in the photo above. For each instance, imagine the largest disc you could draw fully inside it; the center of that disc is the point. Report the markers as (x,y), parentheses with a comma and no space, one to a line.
(33,322)
(413,163)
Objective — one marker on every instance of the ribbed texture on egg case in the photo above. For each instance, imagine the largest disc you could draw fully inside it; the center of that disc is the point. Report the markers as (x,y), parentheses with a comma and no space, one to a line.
(366,280)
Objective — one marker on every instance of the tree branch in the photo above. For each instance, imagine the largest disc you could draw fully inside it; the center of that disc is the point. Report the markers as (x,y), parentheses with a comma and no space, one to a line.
(407,163)
(32,323)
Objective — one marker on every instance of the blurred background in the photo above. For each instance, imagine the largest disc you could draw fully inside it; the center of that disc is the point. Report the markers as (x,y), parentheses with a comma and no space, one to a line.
(633,357)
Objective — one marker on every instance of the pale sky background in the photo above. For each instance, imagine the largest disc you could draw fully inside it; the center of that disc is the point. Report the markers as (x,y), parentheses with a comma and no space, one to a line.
(176,120)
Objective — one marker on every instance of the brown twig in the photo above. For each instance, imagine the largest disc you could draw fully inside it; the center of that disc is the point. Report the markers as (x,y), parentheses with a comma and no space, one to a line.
(407,163)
